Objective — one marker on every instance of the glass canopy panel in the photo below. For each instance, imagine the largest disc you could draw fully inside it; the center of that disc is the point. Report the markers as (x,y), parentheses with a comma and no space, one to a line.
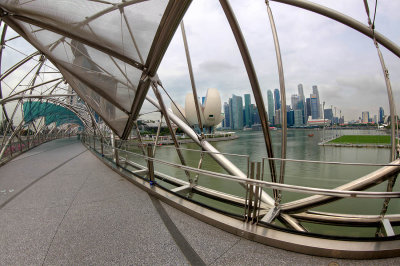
(99,22)
(107,75)
(101,80)
(51,112)
(113,116)
(102,47)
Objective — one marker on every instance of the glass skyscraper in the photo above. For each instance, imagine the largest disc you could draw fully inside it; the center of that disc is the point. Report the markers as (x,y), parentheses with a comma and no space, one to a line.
(254,114)
(328,114)
(381,115)
(290,118)
(302,105)
(271,110)
(247,110)
(308,108)
(314,106)
(277,99)
(227,120)
(318,110)
(236,112)
(298,117)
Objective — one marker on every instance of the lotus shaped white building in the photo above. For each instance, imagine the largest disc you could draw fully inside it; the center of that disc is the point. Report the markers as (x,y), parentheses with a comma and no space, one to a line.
(210,112)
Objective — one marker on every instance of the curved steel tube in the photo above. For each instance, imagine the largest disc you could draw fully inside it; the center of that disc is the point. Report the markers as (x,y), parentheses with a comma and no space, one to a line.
(346,219)
(253,81)
(283,97)
(364,182)
(219,158)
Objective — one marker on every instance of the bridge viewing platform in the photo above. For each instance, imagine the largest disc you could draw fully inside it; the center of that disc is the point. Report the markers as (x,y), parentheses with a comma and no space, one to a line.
(60,204)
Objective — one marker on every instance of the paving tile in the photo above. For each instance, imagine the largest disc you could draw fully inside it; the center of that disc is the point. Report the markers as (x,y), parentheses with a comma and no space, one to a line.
(208,241)
(25,236)
(124,230)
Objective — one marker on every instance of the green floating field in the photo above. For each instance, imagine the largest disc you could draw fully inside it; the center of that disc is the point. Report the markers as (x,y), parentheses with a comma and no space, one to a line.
(362,139)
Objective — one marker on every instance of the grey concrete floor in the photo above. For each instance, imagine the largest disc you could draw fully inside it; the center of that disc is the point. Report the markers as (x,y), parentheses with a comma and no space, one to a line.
(60,205)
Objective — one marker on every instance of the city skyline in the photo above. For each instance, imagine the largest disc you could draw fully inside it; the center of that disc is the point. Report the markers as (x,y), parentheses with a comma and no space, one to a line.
(301,112)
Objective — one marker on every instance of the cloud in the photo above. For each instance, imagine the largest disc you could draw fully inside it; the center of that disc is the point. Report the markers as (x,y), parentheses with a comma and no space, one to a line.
(315,51)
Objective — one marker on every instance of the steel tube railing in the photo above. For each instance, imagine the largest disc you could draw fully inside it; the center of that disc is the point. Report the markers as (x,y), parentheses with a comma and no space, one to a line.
(273,185)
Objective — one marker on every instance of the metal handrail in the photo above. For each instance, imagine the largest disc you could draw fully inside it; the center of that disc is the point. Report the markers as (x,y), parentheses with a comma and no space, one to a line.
(280,159)
(284,187)
(213,152)
(335,163)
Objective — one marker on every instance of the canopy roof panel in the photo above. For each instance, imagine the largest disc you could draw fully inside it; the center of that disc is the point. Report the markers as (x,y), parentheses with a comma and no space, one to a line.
(51,112)
(106,50)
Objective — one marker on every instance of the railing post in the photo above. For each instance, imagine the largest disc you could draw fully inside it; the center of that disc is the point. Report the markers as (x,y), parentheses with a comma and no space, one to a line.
(116,156)
(11,146)
(20,143)
(253,194)
(249,195)
(94,142)
(114,149)
(150,164)
(28,138)
(101,145)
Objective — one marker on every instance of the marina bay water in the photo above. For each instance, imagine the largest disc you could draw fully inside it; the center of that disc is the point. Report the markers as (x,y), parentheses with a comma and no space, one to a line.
(299,146)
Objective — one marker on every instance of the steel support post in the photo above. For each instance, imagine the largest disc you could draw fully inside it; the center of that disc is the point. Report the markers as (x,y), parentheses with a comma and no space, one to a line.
(171,130)
(150,164)
(158,134)
(139,137)
(189,62)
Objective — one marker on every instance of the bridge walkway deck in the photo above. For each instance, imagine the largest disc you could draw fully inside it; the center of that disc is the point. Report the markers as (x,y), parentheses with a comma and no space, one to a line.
(59,204)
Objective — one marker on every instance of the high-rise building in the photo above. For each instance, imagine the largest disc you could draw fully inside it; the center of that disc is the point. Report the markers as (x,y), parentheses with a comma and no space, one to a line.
(230,114)
(308,109)
(255,117)
(375,120)
(328,114)
(277,117)
(365,117)
(290,118)
(302,101)
(247,111)
(316,93)
(271,110)
(381,115)
(295,101)
(277,99)
(227,120)
(314,106)
(298,105)
(298,118)
(236,109)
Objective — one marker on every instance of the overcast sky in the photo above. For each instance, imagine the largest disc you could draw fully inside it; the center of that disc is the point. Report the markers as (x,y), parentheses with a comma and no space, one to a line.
(315,51)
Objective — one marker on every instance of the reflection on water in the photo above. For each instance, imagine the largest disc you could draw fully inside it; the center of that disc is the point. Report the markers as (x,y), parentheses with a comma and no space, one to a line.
(299,146)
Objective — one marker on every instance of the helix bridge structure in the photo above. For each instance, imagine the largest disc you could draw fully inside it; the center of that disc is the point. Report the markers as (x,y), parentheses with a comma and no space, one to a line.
(92,65)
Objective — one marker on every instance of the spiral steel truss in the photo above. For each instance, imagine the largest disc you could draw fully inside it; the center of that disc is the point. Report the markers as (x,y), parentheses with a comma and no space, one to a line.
(98,60)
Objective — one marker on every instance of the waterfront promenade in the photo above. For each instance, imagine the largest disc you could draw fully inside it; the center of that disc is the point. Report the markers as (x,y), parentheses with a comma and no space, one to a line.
(59,204)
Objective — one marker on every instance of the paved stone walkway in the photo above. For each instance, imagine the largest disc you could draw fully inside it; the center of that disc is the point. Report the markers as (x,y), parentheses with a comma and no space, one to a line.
(60,205)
